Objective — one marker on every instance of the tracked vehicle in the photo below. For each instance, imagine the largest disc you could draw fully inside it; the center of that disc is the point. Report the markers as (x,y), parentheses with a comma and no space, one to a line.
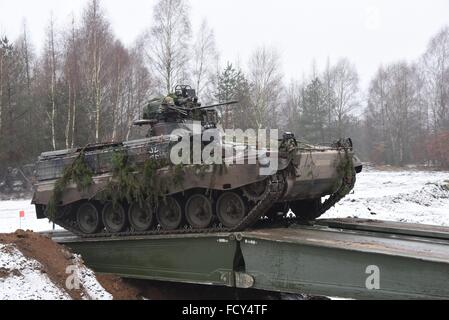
(134,187)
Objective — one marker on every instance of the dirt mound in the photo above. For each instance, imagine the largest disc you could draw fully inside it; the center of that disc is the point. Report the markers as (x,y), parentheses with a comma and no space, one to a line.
(53,260)
(119,288)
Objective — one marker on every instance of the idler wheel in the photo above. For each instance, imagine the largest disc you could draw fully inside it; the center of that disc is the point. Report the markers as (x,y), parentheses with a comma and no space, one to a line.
(141,218)
(231,209)
(199,211)
(88,218)
(114,217)
(169,214)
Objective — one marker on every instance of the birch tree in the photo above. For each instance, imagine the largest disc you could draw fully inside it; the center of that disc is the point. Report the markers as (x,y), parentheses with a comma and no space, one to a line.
(394,112)
(435,64)
(168,43)
(50,63)
(121,61)
(330,99)
(98,40)
(346,89)
(205,57)
(139,87)
(5,51)
(26,55)
(265,78)
(293,107)
(72,79)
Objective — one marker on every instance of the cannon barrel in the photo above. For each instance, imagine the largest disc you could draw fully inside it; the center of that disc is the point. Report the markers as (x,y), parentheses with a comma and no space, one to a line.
(216,105)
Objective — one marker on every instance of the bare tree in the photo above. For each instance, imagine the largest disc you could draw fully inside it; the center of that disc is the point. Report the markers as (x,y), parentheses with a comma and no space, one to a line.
(98,39)
(72,79)
(5,51)
(265,78)
(26,52)
(168,42)
(435,64)
(50,62)
(26,106)
(204,58)
(292,107)
(330,99)
(140,86)
(84,86)
(121,61)
(346,89)
(394,111)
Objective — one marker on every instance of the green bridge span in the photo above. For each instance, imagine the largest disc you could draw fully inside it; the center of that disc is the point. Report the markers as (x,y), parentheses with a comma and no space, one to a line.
(349,258)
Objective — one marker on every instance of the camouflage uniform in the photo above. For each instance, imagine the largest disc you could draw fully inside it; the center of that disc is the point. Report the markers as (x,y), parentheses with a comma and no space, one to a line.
(157,107)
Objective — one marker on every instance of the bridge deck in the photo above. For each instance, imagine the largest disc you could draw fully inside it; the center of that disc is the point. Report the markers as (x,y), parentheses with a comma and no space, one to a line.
(333,258)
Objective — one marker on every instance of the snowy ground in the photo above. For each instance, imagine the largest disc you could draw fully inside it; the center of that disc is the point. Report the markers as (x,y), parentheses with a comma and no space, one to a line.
(404,195)
(10,219)
(23,278)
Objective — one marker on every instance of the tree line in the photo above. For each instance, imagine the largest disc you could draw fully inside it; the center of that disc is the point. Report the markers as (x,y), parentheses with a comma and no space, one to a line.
(86,86)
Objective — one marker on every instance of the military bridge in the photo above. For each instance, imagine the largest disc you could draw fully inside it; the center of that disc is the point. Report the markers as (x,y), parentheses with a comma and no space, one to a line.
(348,258)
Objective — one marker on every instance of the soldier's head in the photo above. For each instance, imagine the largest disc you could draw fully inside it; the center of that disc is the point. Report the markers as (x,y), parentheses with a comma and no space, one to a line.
(169,101)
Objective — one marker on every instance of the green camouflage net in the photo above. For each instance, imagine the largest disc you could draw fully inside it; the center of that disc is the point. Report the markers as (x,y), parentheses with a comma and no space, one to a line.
(124,184)
(127,184)
(79,173)
(145,184)
(346,172)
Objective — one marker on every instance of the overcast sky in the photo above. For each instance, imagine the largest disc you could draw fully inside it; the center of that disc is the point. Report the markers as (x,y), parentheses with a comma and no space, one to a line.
(367,32)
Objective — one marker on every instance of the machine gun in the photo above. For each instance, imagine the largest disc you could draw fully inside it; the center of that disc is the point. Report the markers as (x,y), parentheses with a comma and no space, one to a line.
(228,103)
(181,106)
(186,100)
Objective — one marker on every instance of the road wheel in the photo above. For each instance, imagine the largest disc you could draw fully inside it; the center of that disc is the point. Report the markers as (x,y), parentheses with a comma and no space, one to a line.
(199,211)
(169,214)
(88,218)
(114,217)
(141,218)
(230,209)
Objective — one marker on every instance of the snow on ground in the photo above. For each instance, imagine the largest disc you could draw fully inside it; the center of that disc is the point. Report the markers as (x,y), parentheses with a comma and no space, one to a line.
(22,278)
(91,286)
(405,195)
(10,220)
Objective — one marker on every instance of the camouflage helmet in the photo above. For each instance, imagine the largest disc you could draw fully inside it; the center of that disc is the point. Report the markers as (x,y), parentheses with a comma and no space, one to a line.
(169,101)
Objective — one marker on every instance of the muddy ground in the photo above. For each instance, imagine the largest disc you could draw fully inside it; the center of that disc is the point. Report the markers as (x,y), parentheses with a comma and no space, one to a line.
(56,258)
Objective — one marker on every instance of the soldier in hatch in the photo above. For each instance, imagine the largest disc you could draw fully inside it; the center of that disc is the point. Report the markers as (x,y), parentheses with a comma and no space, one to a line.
(157,108)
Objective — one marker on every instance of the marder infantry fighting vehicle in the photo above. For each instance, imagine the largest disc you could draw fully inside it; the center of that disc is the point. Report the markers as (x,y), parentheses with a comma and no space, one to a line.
(134,187)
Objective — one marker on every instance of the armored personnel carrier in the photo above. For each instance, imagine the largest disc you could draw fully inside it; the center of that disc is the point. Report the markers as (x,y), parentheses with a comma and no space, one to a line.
(135,187)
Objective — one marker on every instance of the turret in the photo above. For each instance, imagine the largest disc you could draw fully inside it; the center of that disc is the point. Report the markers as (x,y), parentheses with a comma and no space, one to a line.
(182,107)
